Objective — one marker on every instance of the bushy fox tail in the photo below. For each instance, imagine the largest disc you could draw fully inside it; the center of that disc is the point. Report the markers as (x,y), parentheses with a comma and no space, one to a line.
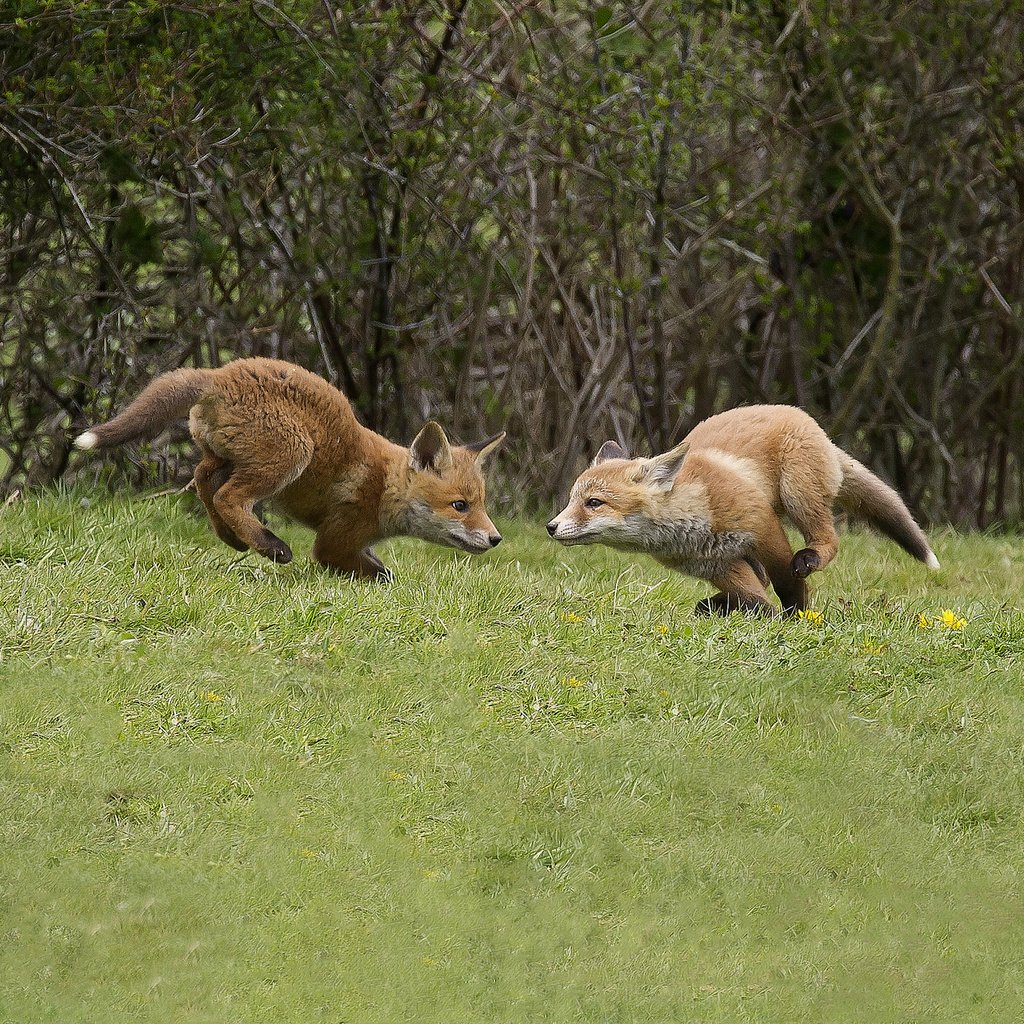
(166,399)
(863,494)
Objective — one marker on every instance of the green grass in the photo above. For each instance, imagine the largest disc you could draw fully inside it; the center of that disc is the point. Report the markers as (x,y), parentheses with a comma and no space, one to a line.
(524,787)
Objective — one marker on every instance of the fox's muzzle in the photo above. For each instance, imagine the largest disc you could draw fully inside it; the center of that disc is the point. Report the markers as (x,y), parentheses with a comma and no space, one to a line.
(566,531)
(476,541)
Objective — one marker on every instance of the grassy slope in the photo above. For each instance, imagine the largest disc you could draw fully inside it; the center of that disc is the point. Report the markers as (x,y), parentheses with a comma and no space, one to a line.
(529,786)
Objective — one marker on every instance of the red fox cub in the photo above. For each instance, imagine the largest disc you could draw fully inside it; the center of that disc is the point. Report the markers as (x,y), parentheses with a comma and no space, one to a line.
(712,506)
(268,428)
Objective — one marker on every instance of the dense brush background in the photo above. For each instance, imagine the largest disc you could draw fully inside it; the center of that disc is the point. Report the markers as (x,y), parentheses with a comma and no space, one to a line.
(576,221)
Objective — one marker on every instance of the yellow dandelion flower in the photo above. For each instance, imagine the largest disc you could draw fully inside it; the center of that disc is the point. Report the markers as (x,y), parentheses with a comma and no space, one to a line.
(396,776)
(950,619)
(573,682)
(571,617)
(811,616)
(663,693)
(663,629)
(307,853)
(212,697)
(923,622)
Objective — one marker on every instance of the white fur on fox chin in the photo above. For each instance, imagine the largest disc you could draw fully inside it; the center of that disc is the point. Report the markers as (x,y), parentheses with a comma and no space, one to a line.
(87,440)
(931,561)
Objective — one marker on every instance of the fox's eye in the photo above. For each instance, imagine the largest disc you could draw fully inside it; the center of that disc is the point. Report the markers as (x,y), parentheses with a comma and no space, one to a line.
(460,505)
(593,503)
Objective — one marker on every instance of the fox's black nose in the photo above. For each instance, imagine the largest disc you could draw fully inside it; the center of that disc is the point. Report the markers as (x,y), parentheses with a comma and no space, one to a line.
(495,539)
(551,529)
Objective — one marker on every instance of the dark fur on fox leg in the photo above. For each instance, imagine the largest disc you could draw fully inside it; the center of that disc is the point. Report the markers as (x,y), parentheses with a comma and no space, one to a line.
(726,604)
(793,595)
(759,570)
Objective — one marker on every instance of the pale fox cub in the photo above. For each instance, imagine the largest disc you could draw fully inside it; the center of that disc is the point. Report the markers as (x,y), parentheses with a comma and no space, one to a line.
(712,506)
(268,428)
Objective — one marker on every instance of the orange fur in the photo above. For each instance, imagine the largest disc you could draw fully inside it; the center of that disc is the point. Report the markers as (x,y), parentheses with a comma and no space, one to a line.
(713,506)
(268,428)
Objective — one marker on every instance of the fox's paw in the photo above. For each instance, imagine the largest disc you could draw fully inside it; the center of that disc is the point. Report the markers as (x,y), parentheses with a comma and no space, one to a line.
(370,565)
(805,561)
(275,549)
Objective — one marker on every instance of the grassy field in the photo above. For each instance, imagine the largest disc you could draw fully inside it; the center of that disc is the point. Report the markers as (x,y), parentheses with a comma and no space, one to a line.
(523,787)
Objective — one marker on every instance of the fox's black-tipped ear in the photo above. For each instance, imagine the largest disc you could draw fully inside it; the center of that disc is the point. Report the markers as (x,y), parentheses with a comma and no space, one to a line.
(610,450)
(660,470)
(483,449)
(431,449)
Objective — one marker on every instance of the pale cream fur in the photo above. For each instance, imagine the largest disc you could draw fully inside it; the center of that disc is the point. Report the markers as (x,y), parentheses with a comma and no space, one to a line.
(713,506)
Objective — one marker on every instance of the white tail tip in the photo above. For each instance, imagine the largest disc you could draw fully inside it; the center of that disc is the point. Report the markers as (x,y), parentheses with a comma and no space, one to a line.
(931,561)
(87,440)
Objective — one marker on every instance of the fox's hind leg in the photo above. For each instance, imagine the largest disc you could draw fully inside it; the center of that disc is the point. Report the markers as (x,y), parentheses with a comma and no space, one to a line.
(740,590)
(260,463)
(211,474)
(776,554)
(234,503)
(808,493)
(822,544)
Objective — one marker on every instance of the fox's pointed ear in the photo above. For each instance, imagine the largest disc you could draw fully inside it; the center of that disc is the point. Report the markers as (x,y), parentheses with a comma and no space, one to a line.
(483,449)
(660,470)
(431,449)
(610,450)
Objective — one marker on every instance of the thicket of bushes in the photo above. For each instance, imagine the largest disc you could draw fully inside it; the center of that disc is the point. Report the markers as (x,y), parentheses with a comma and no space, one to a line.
(576,221)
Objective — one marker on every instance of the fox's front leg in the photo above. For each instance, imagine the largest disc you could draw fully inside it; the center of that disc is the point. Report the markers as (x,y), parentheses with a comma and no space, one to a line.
(740,590)
(347,553)
(371,565)
(364,564)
